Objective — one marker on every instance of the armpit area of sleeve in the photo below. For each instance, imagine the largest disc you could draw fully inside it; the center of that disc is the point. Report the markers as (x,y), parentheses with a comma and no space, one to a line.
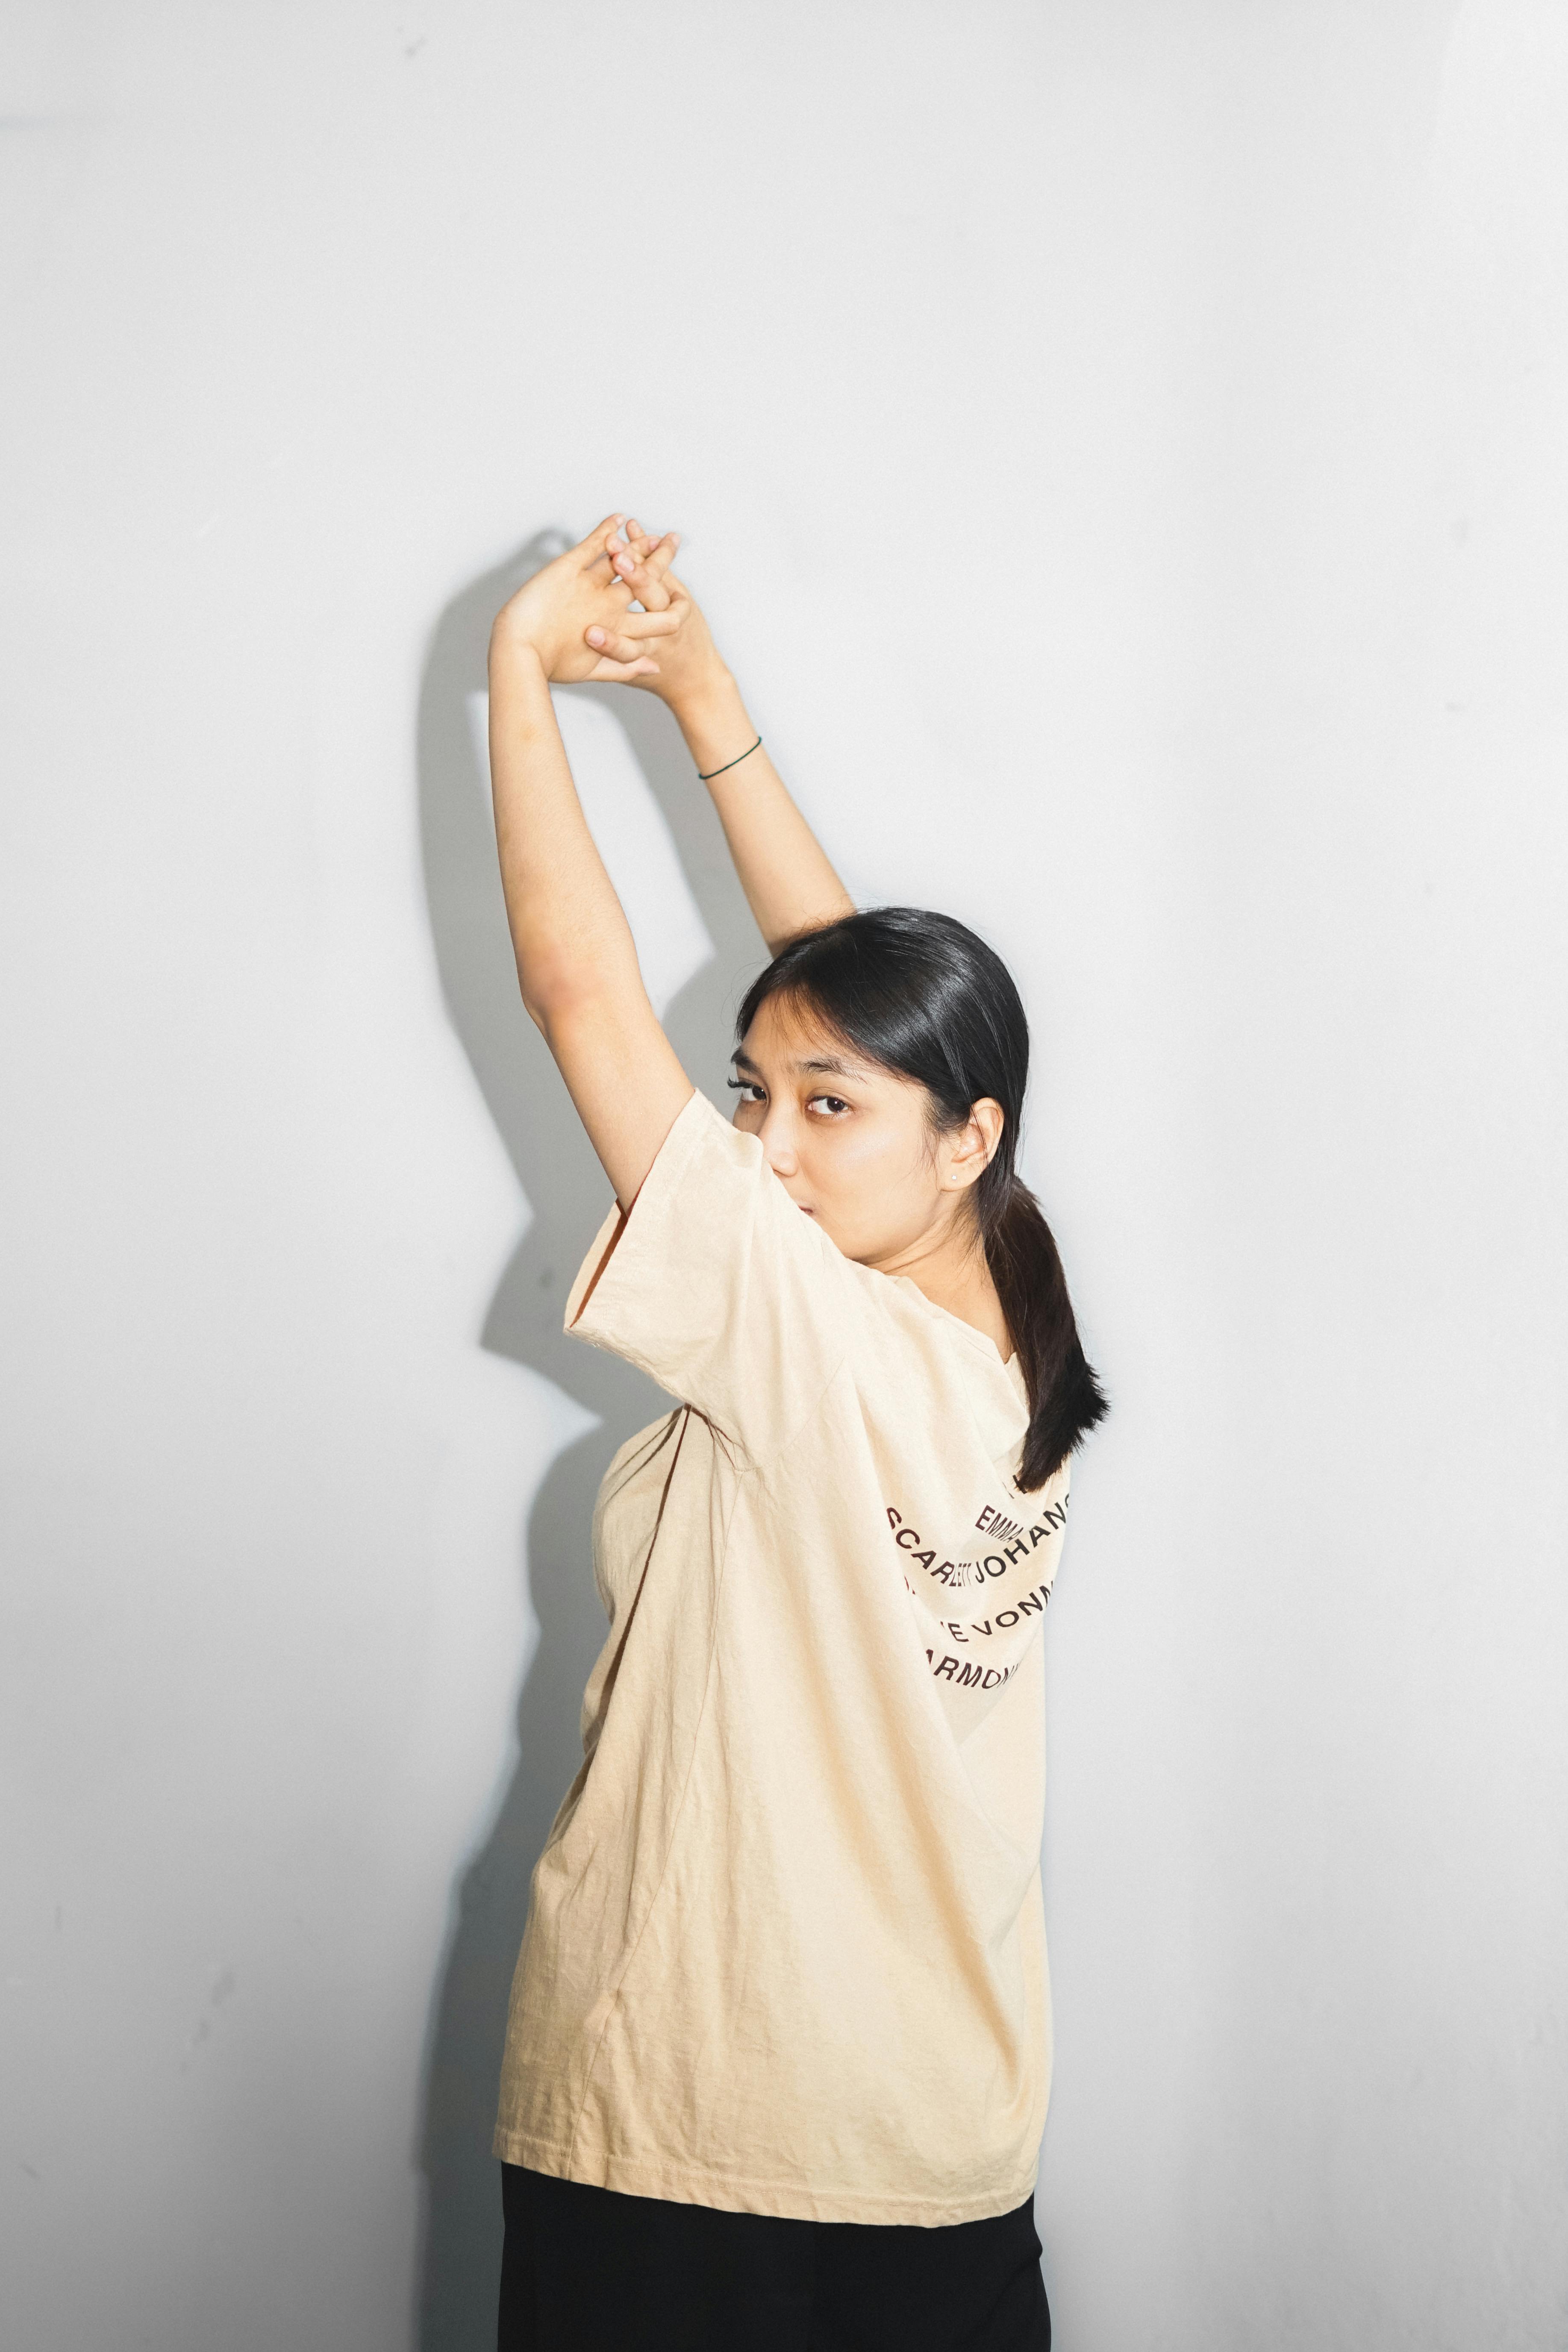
(630,1255)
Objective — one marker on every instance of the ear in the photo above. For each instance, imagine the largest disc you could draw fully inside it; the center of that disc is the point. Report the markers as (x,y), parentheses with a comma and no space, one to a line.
(969,1149)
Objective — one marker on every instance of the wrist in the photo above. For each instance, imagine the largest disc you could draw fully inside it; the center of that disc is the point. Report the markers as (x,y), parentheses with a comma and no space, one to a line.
(515,655)
(714,720)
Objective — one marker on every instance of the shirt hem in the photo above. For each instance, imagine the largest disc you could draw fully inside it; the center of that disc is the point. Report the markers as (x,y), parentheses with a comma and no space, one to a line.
(729,2193)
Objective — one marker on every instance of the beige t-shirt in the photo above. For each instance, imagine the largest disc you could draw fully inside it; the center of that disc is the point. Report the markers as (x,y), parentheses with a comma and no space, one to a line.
(785,1950)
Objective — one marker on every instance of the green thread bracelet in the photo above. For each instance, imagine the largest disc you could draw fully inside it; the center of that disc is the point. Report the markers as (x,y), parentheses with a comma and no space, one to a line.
(728,763)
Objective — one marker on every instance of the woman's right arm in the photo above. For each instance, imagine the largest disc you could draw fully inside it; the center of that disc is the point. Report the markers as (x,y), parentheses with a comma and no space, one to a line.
(783,870)
(576,962)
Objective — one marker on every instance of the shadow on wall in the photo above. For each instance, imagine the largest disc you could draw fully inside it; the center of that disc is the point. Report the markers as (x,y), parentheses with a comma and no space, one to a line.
(568,1193)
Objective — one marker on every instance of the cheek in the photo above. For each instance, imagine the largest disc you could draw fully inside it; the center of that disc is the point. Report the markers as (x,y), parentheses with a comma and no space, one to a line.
(872,1177)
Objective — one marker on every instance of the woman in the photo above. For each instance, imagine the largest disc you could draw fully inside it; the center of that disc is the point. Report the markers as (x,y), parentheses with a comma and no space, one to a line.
(778,2051)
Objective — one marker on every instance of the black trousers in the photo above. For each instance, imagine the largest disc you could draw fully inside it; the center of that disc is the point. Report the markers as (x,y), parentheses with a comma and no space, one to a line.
(590,2270)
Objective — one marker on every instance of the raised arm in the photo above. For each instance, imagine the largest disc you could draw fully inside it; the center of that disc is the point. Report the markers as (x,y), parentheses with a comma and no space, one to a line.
(783,870)
(577,961)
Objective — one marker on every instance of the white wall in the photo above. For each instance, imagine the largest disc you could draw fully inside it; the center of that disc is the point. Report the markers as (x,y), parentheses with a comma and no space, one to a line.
(1120,447)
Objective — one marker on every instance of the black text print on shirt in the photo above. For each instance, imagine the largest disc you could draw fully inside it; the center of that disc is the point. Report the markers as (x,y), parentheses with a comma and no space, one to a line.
(970,1573)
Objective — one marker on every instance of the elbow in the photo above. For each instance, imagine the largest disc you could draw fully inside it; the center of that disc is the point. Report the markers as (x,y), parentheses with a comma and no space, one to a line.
(558,988)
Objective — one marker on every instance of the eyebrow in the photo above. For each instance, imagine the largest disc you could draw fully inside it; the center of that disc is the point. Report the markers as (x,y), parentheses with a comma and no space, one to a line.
(826,1065)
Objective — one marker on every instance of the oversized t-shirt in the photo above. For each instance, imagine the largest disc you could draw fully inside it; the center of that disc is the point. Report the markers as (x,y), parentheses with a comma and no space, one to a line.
(786,1948)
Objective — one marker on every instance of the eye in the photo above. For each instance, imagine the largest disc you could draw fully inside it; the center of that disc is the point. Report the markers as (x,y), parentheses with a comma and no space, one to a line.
(833,1104)
(748,1090)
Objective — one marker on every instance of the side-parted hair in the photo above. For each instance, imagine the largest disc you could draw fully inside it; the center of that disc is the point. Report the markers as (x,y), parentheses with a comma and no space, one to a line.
(920,994)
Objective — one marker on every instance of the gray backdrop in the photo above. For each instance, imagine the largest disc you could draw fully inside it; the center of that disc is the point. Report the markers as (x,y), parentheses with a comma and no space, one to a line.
(1120,447)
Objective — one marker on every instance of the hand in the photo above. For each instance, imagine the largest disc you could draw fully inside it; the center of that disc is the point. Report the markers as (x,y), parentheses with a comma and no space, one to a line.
(579,598)
(690,669)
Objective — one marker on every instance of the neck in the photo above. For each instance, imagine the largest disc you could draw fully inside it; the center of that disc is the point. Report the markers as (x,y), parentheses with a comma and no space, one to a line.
(950,1269)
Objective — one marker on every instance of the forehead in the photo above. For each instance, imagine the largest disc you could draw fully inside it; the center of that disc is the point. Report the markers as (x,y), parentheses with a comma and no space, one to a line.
(789,1037)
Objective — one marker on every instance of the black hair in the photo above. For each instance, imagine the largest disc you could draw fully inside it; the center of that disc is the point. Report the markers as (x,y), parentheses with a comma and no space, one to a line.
(920,994)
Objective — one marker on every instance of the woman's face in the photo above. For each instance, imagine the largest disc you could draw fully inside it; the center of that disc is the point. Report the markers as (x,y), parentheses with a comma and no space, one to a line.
(851,1141)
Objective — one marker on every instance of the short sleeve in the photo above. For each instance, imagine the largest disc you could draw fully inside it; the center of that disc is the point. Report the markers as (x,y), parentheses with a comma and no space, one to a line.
(718,1287)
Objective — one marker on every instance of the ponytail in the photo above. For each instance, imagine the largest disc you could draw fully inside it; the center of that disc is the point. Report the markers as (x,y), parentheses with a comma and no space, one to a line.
(922,995)
(1065,1399)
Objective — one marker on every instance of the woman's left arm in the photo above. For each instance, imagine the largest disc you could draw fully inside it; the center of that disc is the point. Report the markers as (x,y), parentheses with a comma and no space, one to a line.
(576,961)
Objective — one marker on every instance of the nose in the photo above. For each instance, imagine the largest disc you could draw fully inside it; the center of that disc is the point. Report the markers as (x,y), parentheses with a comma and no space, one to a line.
(776,1136)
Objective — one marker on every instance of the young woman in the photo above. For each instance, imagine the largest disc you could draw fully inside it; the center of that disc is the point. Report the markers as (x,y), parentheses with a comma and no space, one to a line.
(778,2050)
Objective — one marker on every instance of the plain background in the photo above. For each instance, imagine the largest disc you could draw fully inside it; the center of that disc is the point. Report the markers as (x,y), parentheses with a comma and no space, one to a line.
(1122,449)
